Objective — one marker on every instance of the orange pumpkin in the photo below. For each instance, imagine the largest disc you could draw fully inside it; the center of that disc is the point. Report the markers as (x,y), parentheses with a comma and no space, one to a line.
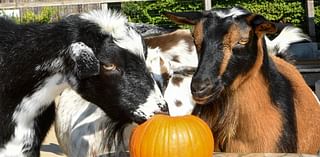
(165,136)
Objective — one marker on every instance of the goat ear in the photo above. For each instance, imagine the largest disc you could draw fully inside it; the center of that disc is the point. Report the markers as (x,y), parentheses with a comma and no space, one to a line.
(86,64)
(190,18)
(261,25)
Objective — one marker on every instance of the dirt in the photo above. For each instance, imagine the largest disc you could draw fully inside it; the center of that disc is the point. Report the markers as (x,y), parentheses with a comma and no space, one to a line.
(50,146)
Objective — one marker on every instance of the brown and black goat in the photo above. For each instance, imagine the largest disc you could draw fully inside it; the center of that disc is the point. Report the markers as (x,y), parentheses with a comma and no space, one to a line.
(253,101)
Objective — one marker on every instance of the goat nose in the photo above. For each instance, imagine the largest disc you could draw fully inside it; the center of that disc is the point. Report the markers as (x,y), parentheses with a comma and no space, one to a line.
(200,88)
(164,109)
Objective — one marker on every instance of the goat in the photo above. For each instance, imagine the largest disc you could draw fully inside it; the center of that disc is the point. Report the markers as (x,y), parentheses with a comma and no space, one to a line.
(253,101)
(80,123)
(96,54)
(174,82)
(175,46)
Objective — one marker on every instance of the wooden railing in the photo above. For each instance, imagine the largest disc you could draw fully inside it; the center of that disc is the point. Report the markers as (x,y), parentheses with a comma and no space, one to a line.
(15,5)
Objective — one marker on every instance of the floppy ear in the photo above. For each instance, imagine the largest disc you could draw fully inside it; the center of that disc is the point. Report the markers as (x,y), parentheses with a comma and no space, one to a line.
(261,25)
(190,18)
(86,64)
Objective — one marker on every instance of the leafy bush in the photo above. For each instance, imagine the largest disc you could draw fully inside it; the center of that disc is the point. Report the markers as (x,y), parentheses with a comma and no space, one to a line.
(46,15)
(275,10)
(152,12)
(317,15)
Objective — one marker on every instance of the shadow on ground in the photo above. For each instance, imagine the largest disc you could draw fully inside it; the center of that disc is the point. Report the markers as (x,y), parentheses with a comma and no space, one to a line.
(52,148)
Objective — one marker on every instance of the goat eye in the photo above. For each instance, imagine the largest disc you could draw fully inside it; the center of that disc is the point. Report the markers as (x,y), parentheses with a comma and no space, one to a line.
(243,41)
(109,67)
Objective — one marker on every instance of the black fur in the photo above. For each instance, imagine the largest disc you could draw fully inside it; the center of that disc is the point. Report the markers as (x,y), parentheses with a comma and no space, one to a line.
(25,48)
(281,93)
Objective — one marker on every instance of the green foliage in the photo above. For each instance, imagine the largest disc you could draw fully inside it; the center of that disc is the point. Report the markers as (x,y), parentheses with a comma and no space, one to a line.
(46,15)
(287,11)
(317,15)
(152,12)
(279,10)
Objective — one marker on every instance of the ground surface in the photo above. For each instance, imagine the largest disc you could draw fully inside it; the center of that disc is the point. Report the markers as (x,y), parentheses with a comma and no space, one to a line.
(50,147)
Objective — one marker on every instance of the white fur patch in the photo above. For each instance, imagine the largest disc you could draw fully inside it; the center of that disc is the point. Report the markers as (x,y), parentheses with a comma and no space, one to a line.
(115,24)
(26,112)
(181,93)
(153,62)
(186,56)
(110,21)
(234,12)
(72,116)
(286,37)
(81,124)
(132,41)
(315,96)
(78,48)
(154,103)
(51,66)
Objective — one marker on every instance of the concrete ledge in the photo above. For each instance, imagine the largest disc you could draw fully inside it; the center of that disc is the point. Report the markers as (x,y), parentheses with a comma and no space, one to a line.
(317,88)
(218,154)
(305,51)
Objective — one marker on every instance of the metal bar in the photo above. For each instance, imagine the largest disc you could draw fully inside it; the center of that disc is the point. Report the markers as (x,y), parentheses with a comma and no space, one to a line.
(16,5)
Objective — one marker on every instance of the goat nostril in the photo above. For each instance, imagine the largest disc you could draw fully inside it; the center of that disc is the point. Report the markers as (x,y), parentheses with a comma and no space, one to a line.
(200,87)
(139,120)
(165,107)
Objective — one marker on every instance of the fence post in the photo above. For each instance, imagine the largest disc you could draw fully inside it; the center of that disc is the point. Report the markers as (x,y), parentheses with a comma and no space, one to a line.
(104,5)
(310,19)
(207,4)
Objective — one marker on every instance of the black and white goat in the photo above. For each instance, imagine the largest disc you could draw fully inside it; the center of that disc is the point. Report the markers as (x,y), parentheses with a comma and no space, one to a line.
(96,54)
(80,123)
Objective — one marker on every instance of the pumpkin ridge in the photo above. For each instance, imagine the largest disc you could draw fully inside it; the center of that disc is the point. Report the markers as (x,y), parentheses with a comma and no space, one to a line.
(200,131)
(148,135)
(177,131)
(205,131)
(156,151)
(190,136)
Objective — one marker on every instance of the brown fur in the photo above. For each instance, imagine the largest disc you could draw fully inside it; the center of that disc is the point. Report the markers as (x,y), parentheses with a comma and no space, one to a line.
(198,35)
(176,80)
(178,103)
(242,110)
(307,108)
(228,41)
(165,74)
(254,70)
(166,41)
(255,132)
(176,58)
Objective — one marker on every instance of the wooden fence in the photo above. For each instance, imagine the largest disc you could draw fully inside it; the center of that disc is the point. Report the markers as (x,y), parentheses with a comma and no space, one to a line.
(61,8)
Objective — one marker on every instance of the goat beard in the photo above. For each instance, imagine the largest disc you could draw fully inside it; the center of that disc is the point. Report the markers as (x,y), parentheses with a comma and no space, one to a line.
(117,135)
(220,117)
(215,95)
